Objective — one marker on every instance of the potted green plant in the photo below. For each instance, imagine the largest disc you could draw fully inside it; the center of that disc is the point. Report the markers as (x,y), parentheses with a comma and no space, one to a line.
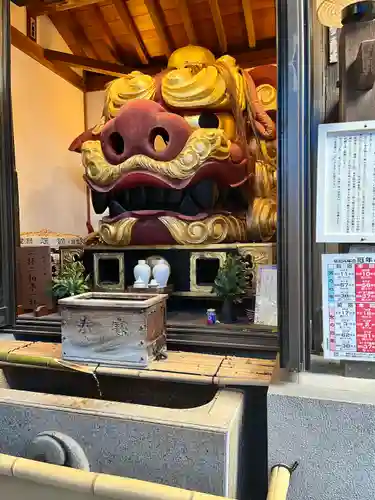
(231,285)
(71,281)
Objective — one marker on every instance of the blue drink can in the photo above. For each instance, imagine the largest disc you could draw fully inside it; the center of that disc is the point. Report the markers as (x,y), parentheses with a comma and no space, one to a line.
(211,316)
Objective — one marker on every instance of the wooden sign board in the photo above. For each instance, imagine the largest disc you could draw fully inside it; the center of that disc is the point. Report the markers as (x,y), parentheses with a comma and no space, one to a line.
(34,277)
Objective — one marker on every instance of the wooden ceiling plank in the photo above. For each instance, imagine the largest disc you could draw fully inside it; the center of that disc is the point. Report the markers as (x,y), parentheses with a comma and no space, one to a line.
(188,24)
(219,26)
(80,35)
(106,33)
(36,52)
(153,11)
(127,21)
(249,20)
(63,27)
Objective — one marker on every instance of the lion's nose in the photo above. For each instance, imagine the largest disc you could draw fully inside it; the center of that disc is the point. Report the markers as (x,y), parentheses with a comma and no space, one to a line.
(144,128)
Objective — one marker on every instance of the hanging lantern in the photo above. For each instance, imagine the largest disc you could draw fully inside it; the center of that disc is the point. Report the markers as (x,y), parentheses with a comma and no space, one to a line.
(334,13)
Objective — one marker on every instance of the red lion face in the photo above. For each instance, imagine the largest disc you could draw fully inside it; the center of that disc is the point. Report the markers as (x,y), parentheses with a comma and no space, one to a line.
(171,157)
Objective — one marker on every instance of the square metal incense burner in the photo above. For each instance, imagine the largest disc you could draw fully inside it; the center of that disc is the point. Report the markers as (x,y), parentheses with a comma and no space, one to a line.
(116,329)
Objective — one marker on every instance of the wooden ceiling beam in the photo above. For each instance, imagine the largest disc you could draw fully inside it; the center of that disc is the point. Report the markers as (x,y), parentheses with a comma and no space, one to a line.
(153,10)
(36,52)
(249,20)
(68,26)
(96,83)
(127,21)
(188,24)
(219,26)
(86,63)
(95,66)
(81,37)
(92,65)
(40,8)
(263,55)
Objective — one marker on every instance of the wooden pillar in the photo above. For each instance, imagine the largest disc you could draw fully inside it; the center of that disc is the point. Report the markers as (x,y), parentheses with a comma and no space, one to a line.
(318,112)
(8,182)
(357,102)
(357,66)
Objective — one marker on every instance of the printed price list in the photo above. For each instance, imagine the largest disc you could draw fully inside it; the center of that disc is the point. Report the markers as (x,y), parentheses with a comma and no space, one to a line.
(349,306)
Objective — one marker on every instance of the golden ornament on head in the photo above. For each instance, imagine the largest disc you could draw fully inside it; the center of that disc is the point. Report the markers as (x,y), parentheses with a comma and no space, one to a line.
(135,85)
(190,55)
(197,80)
(194,80)
(189,88)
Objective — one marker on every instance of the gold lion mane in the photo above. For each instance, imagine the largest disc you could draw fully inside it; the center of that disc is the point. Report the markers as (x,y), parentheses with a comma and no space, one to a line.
(193,86)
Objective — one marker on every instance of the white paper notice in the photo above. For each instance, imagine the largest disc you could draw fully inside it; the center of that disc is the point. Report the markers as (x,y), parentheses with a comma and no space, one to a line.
(352,180)
(346,187)
(266,296)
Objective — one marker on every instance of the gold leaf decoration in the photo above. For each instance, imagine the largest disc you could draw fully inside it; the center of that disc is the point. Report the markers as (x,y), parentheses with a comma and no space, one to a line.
(213,229)
(201,145)
(117,233)
(267,96)
(262,220)
(198,86)
(136,85)
(265,180)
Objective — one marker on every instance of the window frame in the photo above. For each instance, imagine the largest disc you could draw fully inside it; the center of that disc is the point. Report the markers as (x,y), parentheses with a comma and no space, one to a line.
(8,180)
(297,255)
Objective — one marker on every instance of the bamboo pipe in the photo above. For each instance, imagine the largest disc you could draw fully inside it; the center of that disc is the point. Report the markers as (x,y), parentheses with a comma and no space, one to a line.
(18,473)
(279,481)
(15,358)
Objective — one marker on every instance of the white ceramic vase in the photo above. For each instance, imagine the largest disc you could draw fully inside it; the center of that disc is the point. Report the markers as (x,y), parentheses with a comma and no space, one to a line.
(161,272)
(143,271)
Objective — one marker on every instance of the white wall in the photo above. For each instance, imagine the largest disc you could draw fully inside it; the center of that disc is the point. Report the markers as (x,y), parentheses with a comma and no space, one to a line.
(18,17)
(47,35)
(93,109)
(48,113)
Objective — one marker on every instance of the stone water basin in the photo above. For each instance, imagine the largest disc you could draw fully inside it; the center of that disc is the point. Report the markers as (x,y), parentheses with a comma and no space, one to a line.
(176,434)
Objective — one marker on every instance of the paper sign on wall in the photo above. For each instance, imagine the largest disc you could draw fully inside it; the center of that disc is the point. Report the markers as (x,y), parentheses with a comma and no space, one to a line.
(346,183)
(349,306)
(266,296)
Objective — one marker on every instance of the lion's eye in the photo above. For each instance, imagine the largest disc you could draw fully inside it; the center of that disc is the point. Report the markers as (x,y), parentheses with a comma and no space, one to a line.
(208,119)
